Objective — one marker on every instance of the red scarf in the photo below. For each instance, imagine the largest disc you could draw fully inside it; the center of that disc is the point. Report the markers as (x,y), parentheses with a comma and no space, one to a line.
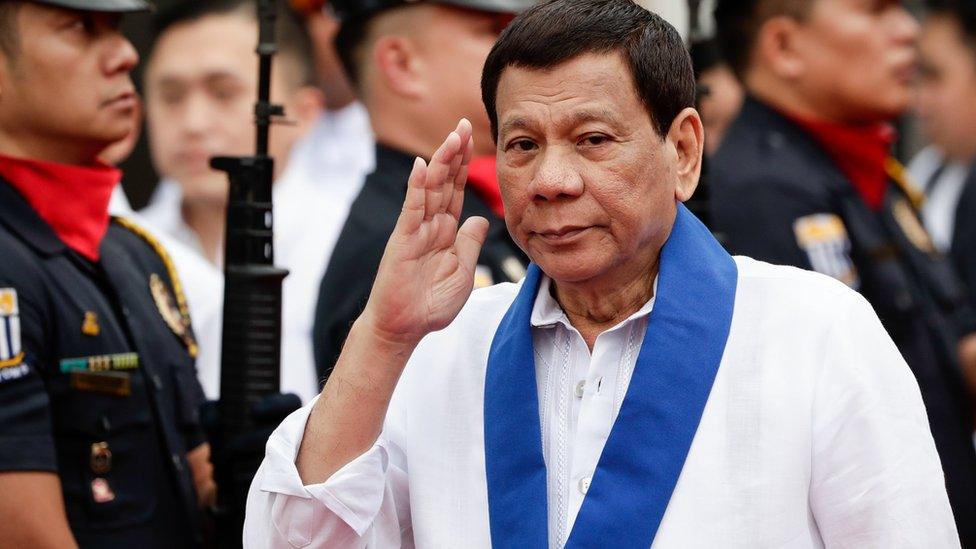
(483,179)
(73,200)
(859,151)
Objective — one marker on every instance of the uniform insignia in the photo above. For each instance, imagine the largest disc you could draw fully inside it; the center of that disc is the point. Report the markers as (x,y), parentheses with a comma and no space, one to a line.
(184,310)
(11,353)
(108,383)
(171,313)
(101,458)
(482,277)
(101,363)
(513,269)
(824,239)
(90,326)
(910,225)
(101,491)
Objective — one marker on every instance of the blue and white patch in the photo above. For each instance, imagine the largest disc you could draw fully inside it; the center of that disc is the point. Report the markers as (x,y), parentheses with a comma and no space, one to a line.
(11,354)
(824,239)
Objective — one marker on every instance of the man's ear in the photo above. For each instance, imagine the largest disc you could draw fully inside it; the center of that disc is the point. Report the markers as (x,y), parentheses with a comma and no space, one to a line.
(776,47)
(687,138)
(395,60)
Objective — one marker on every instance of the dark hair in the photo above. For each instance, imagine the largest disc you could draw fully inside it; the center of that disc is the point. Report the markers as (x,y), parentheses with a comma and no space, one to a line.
(963,12)
(738,23)
(557,31)
(348,41)
(9,37)
(293,40)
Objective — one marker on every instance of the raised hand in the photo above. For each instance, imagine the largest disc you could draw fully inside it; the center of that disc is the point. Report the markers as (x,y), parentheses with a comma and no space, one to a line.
(427,271)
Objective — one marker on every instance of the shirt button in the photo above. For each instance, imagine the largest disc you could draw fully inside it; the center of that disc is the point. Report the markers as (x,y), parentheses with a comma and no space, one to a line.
(584,485)
(157,382)
(177,463)
(579,388)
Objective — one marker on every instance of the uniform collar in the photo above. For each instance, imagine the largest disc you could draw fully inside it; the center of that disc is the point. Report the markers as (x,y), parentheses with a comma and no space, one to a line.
(71,200)
(18,216)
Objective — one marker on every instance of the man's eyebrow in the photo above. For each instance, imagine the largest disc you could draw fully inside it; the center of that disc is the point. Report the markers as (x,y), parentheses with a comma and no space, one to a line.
(517,123)
(601,115)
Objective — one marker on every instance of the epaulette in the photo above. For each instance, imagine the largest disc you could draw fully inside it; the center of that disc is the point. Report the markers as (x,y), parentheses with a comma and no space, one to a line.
(184,311)
(899,175)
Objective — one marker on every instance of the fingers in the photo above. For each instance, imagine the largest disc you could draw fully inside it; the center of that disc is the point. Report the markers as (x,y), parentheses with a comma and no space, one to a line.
(457,198)
(437,172)
(445,167)
(414,205)
(469,240)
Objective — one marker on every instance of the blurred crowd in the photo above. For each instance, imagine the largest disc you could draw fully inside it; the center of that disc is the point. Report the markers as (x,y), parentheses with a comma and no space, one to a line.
(839,137)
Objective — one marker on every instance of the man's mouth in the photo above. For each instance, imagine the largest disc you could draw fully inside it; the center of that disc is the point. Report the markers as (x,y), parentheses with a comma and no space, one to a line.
(562,235)
(125,100)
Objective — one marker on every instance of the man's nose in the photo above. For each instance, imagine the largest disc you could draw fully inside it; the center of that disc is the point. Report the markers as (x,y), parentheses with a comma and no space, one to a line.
(556,178)
(197,114)
(905,25)
(121,55)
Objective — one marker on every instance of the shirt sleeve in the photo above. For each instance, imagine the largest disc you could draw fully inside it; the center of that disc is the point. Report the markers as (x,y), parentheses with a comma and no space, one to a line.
(26,438)
(877,479)
(364,504)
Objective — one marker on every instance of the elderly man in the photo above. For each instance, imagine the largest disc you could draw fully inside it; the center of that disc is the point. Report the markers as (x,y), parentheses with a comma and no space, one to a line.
(638,387)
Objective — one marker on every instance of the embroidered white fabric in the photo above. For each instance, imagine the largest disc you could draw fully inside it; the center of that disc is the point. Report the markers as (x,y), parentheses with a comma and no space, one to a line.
(814,435)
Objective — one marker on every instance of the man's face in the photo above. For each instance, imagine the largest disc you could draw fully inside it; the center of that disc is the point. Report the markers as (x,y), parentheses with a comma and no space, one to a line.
(589,185)
(67,85)
(454,45)
(946,91)
(858,58)
(201,85)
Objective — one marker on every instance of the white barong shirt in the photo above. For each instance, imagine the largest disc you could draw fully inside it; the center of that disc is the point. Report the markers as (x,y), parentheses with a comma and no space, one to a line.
(814,435)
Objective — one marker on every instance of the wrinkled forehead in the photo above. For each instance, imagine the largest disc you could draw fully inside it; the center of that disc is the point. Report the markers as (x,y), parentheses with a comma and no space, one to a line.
(594,87)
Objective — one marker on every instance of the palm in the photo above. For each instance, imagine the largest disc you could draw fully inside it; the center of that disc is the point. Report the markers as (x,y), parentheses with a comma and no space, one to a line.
(427,271)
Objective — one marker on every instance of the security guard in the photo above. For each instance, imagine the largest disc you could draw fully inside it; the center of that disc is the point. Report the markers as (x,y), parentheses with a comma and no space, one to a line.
(417,67)
(100,442)
(804,177)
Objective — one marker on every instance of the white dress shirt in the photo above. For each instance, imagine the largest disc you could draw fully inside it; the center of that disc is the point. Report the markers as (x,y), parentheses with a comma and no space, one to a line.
(814,435)
(942,194)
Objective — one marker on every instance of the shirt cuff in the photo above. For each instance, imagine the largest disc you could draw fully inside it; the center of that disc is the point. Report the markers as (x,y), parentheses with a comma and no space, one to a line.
(354,493)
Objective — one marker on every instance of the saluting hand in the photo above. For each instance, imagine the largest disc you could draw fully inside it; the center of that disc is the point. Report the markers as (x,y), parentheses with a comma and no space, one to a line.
(427,271)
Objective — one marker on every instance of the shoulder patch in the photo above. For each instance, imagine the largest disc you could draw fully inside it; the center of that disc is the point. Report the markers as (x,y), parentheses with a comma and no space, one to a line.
(11,353)
(824,239)
(181,307)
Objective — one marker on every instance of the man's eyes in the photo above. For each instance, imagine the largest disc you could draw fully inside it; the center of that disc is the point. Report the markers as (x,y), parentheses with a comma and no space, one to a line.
(522,145)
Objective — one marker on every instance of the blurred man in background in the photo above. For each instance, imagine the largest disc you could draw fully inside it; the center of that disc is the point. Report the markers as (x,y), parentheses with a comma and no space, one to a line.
(417,67)
(946,105)
(201,85)
(805,178)
(720,94)
(100,440)
(338,152)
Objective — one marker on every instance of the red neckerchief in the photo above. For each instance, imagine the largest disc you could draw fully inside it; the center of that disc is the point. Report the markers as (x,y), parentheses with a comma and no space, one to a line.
(483,179)
(859,151)
(73,200)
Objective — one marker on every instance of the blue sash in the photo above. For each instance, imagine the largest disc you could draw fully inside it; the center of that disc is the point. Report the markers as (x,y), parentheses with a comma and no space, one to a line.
(643,457)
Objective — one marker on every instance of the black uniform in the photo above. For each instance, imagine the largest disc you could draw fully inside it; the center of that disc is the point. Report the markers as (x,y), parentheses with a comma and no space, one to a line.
(349,278)
(97,381)
(963,250)
(778,197)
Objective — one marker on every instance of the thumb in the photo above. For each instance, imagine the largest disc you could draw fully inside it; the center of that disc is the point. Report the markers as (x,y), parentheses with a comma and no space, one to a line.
(470,237)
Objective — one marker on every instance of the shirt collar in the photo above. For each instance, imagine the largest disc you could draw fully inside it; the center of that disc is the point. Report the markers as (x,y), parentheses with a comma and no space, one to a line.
(546,311)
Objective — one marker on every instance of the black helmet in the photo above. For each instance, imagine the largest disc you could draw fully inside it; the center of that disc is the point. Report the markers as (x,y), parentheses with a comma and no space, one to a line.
(117,6)
(354,9)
